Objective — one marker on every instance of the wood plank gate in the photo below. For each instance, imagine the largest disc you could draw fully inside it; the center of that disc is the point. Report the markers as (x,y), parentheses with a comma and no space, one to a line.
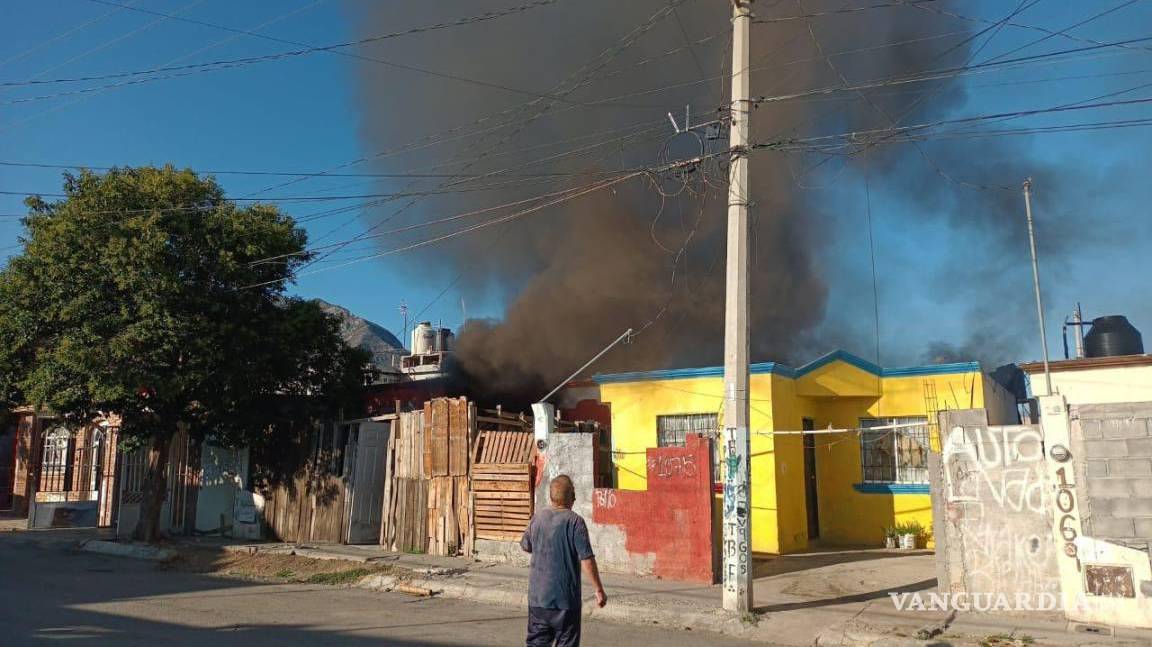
(502,477)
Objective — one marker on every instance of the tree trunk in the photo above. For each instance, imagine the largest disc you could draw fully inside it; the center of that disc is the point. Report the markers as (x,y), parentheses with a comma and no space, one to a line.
(154,489)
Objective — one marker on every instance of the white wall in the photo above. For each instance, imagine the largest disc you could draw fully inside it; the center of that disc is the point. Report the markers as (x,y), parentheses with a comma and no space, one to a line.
(1100,385)
(225,471)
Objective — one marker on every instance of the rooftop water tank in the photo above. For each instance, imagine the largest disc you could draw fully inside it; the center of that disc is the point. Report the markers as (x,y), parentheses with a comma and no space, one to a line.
(1112,336)
(445,340)
(423,338)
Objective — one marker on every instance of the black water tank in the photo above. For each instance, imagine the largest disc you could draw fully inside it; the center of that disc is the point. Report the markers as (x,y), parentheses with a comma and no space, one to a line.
(1111,336)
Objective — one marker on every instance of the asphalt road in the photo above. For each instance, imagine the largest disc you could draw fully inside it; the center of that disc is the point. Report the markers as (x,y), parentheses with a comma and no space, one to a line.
(50,594)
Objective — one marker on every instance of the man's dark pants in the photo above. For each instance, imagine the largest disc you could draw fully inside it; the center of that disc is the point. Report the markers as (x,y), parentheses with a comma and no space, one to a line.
(547,625)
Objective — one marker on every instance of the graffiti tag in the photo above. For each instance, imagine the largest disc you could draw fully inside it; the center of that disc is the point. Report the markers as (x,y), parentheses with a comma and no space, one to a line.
(672,466)
(605,498)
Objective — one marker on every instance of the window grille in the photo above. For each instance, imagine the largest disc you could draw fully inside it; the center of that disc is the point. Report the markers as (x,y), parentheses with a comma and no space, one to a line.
(894,455)
(672,431)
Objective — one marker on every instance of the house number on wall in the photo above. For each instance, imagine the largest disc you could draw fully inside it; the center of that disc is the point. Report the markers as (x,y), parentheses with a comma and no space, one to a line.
(1066,504)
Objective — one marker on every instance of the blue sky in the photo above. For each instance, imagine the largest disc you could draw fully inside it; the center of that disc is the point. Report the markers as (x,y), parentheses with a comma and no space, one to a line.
(303,114)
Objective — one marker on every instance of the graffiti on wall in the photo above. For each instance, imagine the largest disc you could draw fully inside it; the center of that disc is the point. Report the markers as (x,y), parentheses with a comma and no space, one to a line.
(1000,464)
(737,534)
(604,498)
(997,503)
(670,524)
(666,467)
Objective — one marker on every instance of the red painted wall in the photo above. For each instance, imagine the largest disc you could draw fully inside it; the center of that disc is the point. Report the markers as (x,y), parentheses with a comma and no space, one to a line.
(672,519)
(589,410)
(381,398)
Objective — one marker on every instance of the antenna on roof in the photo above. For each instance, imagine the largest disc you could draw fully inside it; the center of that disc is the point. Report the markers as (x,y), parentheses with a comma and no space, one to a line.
(404,314)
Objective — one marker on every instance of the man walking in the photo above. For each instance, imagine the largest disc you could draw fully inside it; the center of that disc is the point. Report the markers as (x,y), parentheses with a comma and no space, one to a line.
(558,541)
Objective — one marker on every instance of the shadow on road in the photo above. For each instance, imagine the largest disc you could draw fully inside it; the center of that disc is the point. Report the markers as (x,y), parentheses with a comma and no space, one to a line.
(54,594)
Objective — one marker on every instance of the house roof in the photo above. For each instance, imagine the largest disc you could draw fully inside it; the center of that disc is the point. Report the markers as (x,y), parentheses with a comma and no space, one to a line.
(1087,363)
(788,371)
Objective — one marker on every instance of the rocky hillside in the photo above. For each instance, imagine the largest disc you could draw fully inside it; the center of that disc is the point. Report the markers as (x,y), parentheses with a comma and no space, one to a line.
(386,349)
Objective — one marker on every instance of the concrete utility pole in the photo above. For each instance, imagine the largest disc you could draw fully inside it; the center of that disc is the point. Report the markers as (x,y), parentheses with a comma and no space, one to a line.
(1036,284)
(737,549)
(1078,317)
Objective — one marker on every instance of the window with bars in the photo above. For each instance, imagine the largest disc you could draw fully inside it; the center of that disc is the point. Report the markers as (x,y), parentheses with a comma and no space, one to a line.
(672,431)
(894,455)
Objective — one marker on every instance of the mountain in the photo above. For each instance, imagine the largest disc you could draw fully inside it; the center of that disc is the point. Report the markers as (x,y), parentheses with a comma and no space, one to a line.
(386,349)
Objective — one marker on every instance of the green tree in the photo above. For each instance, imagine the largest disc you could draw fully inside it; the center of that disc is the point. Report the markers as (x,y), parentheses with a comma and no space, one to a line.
(146,293)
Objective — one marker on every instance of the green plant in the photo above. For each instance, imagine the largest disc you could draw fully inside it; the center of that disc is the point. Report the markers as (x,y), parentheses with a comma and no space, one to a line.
(145,292)
(890,532)
(910,528)
(1007,640)
(339,577)
(284,573)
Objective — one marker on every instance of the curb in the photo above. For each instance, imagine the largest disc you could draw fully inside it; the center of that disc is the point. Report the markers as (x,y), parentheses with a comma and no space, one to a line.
(623,613)
(131,551)
(300,551)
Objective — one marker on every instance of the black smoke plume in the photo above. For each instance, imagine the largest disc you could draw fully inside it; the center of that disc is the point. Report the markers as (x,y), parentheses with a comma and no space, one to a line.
(649,253)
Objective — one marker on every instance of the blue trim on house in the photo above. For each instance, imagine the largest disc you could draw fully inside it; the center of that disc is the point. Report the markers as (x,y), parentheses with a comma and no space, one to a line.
(687,373)
(937,369)
(787,371)
(891,488)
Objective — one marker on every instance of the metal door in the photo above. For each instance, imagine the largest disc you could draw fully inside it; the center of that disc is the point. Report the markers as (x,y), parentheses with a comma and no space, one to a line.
(811,496)
(367,483)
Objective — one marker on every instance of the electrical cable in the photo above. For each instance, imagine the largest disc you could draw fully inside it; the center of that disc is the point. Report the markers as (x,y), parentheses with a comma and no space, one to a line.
(64,34)
(306,49)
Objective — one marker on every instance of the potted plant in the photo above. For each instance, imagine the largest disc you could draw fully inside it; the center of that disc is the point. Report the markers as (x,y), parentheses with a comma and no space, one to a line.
(909,534)
(891,537)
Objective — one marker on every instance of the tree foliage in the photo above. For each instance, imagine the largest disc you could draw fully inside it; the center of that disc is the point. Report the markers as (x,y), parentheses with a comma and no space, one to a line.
(145,293)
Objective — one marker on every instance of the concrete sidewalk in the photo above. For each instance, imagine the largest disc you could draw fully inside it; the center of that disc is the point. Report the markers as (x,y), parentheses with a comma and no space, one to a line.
(823,598)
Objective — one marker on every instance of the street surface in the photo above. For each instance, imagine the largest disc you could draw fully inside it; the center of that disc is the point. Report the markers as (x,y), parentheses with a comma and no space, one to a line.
(49,594)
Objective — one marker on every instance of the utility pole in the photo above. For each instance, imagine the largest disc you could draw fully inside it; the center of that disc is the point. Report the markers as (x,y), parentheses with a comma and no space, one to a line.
(737,548)
(1078,317)
(404,333)
(1036,284)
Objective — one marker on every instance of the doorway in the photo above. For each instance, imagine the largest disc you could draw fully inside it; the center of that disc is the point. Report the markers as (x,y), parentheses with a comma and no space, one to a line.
(810,496)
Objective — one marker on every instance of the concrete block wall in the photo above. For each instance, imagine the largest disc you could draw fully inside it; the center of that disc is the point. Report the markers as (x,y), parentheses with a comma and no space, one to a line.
(992,511)
(1113,458)
(664,531)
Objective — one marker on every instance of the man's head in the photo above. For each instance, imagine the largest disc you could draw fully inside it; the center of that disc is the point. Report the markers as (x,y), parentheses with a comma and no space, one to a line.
(562,492)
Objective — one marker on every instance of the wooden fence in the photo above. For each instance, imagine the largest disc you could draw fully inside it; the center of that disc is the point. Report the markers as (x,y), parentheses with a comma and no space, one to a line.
(404,527)
(426,498)
(502,499)
(308,504)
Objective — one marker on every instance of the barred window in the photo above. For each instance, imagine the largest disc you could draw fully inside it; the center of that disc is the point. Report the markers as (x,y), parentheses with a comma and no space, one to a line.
(894,455)
(672,431)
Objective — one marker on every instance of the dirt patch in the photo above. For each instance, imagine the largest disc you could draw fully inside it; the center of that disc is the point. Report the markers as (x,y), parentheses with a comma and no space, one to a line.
(276,567)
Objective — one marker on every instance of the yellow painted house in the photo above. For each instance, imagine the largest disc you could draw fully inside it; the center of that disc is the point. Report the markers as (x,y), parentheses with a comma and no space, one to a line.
(837,488)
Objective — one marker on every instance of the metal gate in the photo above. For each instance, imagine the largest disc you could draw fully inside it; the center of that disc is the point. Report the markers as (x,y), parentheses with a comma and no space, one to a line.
(182,476)
(366,486)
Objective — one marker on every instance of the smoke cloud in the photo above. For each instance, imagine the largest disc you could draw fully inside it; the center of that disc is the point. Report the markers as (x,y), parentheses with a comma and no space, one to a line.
(576,275)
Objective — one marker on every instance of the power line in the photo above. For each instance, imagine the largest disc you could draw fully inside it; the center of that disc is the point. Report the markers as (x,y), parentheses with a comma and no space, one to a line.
(178,59)
(578,79)
(165,72)
(469,229)
(942,73)
(1063,31)
(145,27)
(92,167)
(843,10)
(945,12)
(861,137)
(68,32)
(569,195)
